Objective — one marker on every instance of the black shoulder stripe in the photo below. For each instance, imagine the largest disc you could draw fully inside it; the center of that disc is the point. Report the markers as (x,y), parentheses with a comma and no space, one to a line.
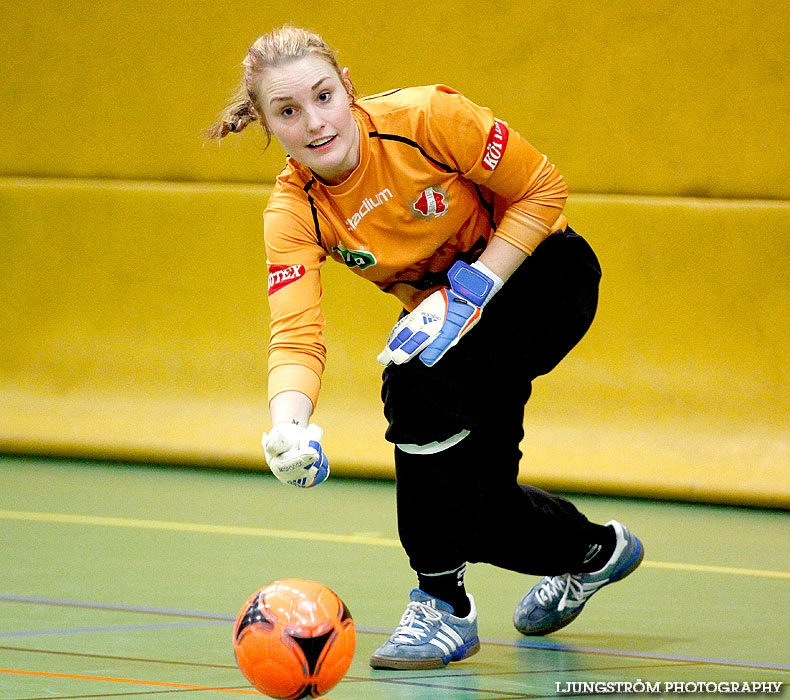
(313,210)
(413,144)
(383,94)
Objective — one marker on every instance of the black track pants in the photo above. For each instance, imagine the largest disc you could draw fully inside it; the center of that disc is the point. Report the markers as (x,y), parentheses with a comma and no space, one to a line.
(464,503)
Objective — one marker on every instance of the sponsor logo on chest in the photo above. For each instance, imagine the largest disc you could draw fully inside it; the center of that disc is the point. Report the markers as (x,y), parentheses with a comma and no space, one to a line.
(431,203)
(368,205)
(355,258)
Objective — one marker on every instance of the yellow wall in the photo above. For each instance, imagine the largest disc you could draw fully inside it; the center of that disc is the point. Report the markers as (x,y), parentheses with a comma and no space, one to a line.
(134,326)
(133,322)
(663,97)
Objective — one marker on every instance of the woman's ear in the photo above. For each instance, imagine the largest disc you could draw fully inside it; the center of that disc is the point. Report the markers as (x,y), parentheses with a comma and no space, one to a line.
(346,75)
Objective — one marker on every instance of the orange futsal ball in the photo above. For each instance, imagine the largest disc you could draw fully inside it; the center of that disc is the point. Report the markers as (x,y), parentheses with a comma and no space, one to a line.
(294,639)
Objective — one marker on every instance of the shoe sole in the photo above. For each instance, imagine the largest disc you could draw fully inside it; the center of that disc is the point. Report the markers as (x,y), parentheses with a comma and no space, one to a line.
(386,663)
(559,624)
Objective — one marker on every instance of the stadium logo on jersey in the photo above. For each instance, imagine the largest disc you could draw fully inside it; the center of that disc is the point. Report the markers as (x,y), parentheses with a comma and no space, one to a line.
(368,205)
(355,258)
(495,146)
(431,202)
(282,275)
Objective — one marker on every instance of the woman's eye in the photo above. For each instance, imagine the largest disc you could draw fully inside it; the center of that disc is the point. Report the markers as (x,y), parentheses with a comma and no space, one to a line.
(324,96)
(287,112)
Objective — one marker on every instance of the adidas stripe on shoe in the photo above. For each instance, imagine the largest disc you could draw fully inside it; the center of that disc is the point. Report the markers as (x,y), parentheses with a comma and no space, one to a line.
(428,636)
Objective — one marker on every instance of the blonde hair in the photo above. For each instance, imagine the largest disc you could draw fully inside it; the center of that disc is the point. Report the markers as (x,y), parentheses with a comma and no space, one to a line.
(283,44)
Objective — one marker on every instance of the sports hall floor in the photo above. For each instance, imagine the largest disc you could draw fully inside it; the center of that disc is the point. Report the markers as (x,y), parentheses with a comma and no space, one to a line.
(123,581)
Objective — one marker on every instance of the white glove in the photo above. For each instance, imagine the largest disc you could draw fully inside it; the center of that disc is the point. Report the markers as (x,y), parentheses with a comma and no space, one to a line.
(294,454)
(442,319)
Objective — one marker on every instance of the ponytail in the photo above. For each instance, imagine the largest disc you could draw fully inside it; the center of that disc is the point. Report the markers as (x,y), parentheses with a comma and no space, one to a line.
(238,113)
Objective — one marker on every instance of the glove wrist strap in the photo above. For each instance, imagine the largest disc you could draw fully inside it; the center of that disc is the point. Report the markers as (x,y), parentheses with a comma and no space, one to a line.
(475,282)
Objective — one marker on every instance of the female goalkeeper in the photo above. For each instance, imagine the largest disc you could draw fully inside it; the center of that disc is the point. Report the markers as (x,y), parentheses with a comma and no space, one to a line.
(434,200)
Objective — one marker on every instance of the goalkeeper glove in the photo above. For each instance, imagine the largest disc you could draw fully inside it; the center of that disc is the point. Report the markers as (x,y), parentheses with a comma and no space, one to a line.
(294,454)
(442,319)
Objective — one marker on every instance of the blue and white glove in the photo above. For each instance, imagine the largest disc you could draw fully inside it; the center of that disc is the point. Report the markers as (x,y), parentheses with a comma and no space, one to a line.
(442,319)
(294,454)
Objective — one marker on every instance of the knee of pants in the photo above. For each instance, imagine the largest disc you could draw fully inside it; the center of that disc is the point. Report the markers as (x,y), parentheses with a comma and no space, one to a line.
(422,407)
(425,405)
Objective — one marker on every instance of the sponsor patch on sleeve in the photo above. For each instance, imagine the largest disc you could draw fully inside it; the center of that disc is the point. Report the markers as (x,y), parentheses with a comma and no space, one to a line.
(495,146)
(282,275)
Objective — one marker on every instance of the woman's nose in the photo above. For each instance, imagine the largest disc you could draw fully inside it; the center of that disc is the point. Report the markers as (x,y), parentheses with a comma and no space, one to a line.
(313,120)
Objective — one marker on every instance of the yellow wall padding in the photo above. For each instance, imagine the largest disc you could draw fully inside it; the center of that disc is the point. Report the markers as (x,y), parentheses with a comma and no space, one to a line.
(133,326)
(663,98)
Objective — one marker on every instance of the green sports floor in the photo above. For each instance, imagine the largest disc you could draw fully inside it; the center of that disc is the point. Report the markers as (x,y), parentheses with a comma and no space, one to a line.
(123,581)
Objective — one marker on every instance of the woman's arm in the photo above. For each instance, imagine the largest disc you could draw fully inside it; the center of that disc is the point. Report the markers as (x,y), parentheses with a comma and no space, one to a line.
(291,407)
(502,258)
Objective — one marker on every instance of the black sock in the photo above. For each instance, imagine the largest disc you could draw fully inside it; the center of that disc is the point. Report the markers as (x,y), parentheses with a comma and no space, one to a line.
(600,549)
(447,586)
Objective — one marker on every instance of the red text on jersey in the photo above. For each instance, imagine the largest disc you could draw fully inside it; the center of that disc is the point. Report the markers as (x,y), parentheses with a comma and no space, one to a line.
(495,146)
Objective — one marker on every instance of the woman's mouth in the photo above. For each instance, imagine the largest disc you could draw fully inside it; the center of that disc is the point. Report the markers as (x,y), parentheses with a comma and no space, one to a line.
(319,144)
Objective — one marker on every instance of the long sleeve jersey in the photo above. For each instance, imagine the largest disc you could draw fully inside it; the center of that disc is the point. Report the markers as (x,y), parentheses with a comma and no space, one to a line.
(438,176)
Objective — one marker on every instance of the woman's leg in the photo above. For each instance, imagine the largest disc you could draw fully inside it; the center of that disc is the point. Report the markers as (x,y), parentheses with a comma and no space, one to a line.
(463,502)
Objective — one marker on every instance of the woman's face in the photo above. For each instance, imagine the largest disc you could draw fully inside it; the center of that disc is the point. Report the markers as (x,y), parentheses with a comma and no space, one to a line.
(307,107)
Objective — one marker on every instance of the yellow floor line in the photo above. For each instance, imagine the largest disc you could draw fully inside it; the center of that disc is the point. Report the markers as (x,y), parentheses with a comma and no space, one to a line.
(764,573)
(195,527)
(316,537)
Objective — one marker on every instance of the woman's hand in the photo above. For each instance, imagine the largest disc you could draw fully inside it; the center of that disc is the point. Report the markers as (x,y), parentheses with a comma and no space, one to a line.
(440,321)
(294,454)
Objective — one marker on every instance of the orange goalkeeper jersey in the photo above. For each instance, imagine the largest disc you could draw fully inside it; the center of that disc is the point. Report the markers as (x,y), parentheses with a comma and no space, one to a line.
(438,176)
